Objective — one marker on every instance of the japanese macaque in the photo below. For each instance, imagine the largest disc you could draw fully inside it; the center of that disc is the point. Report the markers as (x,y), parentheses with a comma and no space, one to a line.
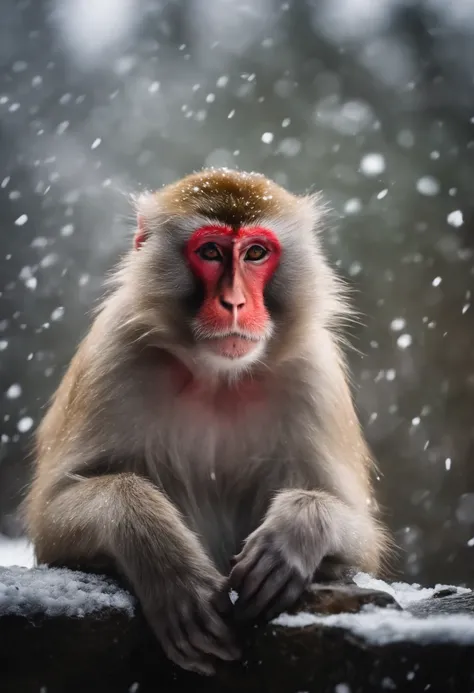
(204,438)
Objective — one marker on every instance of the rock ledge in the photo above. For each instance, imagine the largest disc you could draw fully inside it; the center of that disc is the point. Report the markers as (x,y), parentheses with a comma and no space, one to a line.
(63,631)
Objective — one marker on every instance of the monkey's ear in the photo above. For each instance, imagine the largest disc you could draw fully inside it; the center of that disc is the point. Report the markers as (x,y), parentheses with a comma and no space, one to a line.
(141,232)
(145,210)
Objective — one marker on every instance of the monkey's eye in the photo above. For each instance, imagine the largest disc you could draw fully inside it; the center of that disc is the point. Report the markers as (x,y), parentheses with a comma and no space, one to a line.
(255,253)
(210,252)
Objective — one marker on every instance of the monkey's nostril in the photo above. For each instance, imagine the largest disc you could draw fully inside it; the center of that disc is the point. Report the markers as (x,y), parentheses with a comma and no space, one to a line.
(228,305)
(225,304)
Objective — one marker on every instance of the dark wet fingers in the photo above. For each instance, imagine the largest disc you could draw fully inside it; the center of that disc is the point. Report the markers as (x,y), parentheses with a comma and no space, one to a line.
(196,664)
(206,644)
(243,567)
(211,624)
(208,634)
(178,632)
(261,599)
(257,577)
(287,598)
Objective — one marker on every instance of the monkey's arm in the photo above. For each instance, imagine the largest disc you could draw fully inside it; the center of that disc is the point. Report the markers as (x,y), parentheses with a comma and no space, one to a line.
(300,530)
(125,517)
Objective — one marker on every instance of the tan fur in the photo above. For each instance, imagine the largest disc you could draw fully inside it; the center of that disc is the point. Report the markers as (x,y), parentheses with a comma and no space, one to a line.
(167,484)
(235,198)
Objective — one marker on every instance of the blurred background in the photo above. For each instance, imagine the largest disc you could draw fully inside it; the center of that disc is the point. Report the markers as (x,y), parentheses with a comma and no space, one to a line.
(371,101)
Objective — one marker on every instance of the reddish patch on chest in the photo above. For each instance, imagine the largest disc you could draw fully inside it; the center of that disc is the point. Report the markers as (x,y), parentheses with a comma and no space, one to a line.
(223,399)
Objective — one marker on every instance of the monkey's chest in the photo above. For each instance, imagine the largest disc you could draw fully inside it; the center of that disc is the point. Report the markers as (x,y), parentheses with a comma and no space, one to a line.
(222,506)
(221,477)
(218,456)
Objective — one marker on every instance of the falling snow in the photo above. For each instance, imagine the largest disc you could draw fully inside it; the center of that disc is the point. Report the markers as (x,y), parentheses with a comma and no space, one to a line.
(13,392)
(353,206)
(355,268)
(398,324)
(404,341)
(57,313)
(456,218)
(372,164)
(428,186)
(290,146)
(67,230)
(25,424)
(267,137)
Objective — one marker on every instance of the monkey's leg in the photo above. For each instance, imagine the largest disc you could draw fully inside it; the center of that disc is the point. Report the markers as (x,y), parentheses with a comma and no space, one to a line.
(281,556)
(125,517)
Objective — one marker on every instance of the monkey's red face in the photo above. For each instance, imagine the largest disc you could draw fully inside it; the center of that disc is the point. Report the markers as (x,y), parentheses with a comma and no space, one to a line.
(234,267)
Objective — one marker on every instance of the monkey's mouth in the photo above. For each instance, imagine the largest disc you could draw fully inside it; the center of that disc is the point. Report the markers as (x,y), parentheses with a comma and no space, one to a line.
(232,346)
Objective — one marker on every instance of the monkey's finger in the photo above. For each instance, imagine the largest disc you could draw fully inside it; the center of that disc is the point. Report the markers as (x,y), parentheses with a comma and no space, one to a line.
(179,636)
(255,578)
(205,643)
(286,599)
(248,547)
(198,666)
(213,625)
(191,639)
(242,568)
(269,589)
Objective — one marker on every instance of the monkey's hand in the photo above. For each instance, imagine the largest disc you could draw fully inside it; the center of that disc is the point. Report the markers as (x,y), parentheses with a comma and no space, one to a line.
(185,616)
(280,557)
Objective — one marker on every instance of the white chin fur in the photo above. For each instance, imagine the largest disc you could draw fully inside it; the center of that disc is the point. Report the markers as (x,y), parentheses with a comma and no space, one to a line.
(222,364)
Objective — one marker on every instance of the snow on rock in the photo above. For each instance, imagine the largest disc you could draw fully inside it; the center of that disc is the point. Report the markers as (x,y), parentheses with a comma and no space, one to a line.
(385,626)
(56,592)
(18,552)
(381,626)
(403,593)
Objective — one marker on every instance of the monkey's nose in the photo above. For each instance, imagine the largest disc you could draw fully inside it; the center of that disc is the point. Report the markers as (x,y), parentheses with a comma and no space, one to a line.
(232,298)
(231,305)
